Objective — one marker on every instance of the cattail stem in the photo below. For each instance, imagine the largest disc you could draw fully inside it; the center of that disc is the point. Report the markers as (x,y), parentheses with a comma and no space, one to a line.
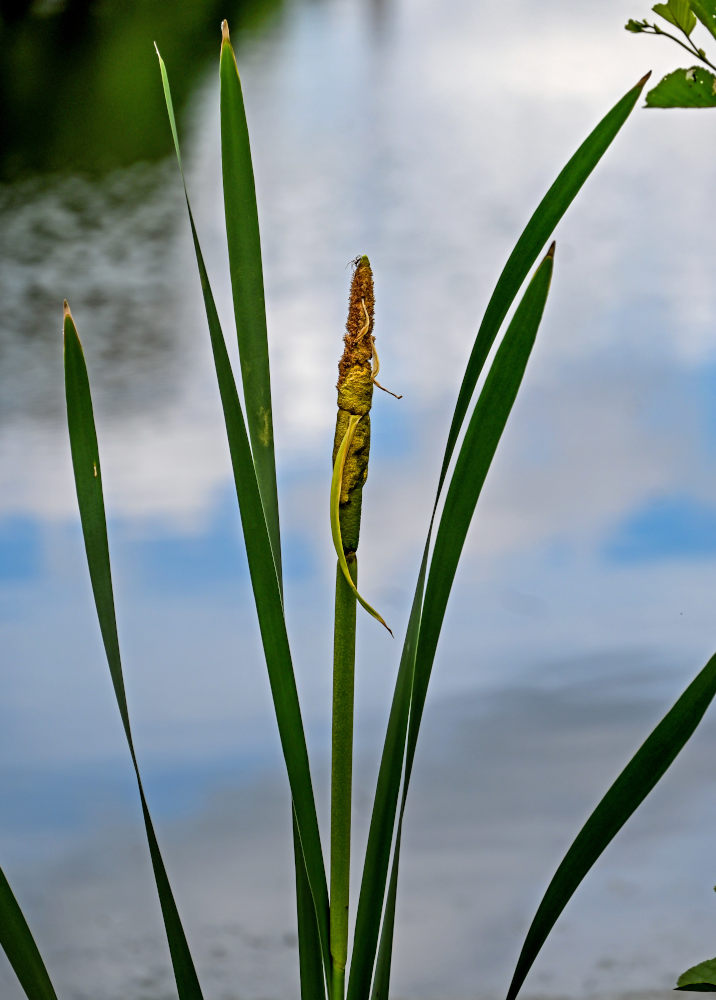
(342,770)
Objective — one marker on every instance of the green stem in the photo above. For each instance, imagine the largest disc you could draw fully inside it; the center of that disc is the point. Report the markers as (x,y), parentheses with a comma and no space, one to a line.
(690,48)
(342,770)
(338,983)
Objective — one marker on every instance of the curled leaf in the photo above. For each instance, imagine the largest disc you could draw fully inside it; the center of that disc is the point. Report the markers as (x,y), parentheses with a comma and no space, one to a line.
(336,481)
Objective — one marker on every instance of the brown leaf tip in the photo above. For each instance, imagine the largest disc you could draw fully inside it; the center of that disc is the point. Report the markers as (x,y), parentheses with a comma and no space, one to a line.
(644,79)
(552,248)
(66,310)
(225,32)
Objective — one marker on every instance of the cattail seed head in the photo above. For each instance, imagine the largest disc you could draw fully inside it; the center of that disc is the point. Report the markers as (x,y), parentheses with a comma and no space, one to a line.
(355,395)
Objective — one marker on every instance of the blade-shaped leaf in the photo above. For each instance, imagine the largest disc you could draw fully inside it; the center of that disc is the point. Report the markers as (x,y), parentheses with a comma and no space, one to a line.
(247,283)
(684,88)
(382,820)
(19,946)
(310,959)
(629,790)
(384,960)
(482,437)
(90,498)
(534,237)
(699,978)
(483,434)
(705,10)
(266,589)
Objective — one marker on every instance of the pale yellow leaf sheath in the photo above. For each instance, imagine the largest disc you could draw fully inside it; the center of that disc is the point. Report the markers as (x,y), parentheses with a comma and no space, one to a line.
(336,481)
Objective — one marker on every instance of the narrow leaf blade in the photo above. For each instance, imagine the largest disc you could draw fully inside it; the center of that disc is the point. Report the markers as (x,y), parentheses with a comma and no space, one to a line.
(486,425)
(482,437)
(310,959)
(19,946)
(622,799)
(385,804)
(247,283)
(384,961)
(267,590)
(90,499)
(533,238)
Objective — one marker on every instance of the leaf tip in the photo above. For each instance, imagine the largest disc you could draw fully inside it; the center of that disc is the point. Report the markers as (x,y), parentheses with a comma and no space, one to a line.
(225,40)
(552,248)
(66,314)
(643,80)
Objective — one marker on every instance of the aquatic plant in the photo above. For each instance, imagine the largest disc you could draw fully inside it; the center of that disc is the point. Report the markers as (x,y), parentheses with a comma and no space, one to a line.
(326,957)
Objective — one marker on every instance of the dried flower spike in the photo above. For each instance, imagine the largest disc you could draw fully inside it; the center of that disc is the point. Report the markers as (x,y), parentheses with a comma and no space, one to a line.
(355,395)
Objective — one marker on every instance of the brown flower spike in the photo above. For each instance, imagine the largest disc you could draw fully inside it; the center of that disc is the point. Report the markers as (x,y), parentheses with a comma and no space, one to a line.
(355,395)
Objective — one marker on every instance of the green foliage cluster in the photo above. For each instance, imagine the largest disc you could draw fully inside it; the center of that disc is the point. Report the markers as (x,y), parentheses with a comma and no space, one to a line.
(694,87)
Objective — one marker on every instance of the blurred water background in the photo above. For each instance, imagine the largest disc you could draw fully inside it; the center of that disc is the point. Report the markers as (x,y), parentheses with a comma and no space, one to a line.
(422,133)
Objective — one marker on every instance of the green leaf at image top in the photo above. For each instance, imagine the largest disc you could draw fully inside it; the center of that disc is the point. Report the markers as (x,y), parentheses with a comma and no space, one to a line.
(678,13)
(705,10)
(700,978)
(684,88)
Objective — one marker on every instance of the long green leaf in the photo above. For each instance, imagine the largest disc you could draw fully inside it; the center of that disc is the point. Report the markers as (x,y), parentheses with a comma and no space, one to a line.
(483,434)
(310,959)
(247,283)
(385,804)
(534,237)
(629,790)
(478,449)
(267,591)
(19,946)
(384,961)
(245,266)
(90,498)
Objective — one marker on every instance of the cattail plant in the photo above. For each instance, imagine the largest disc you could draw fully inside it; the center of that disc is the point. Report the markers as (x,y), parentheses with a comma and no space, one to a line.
(351,450)
(326,955)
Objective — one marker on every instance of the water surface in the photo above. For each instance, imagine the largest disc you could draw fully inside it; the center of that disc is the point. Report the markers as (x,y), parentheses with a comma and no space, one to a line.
(423,135)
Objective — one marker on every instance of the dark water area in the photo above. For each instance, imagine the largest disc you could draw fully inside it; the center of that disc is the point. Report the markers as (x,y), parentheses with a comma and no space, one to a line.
(423,135)
(79,91)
